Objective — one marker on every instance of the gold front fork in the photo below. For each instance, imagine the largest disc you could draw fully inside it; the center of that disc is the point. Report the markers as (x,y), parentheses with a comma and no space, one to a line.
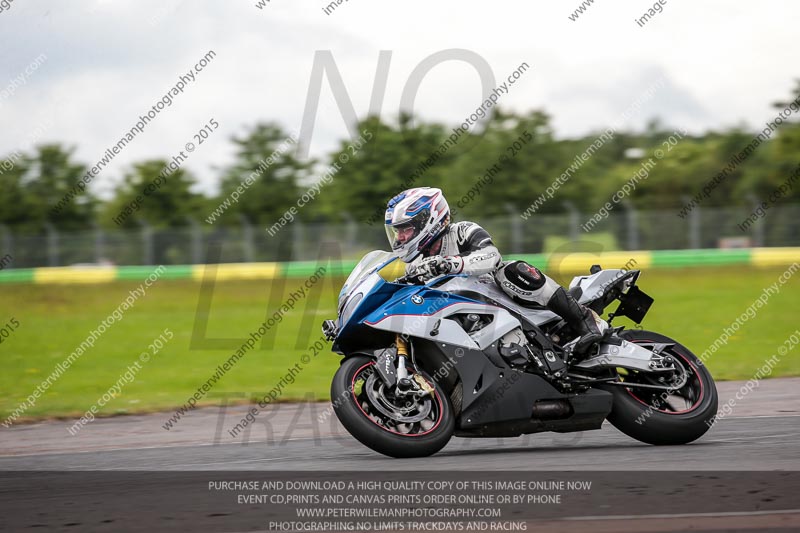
(402,345)
(402,353)
(402,372)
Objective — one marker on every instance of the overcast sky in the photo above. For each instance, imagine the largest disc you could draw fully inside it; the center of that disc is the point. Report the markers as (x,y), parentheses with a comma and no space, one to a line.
(108,61)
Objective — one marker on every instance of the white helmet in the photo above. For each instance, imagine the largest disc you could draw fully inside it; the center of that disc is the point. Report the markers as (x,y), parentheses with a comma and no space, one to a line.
(414,218)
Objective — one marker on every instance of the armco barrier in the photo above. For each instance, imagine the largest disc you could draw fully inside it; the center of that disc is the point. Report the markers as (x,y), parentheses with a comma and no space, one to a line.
(556,263)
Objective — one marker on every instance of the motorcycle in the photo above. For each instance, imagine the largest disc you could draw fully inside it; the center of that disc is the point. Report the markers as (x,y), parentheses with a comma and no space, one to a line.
(458,356)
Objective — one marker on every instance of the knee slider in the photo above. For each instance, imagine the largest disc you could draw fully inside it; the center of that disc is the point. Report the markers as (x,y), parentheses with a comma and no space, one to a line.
(525,276)
(520,280)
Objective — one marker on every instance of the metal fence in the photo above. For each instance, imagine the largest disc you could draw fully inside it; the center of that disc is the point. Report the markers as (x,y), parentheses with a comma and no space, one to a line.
(624,229)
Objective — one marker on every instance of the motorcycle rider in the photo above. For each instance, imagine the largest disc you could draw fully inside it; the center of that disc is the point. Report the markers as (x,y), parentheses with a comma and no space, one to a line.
(420,231)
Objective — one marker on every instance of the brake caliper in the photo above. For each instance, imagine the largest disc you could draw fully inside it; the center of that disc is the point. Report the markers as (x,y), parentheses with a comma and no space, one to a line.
(423,384)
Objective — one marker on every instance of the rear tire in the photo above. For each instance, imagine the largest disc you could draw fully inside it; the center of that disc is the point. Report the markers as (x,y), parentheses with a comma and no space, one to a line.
(648,417)
(348,397)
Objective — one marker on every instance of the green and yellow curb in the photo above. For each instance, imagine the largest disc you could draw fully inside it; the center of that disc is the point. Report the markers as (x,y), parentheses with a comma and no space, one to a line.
(572,263)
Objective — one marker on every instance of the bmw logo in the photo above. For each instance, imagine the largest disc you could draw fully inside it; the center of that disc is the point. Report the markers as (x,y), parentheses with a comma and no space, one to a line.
(417,299)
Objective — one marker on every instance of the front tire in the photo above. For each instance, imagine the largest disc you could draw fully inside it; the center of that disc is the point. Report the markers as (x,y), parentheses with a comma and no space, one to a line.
(653,417)
(373,427)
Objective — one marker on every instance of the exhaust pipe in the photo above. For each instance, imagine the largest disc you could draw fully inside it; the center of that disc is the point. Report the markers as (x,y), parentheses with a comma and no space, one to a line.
(551,409)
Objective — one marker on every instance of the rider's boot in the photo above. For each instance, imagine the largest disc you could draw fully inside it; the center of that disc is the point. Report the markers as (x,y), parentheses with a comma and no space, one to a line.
(581,319)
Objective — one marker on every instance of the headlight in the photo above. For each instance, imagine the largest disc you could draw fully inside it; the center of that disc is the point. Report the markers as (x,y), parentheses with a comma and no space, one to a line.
(350,306)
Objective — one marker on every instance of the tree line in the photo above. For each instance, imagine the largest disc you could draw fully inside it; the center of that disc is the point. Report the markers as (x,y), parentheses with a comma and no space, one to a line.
(520,150)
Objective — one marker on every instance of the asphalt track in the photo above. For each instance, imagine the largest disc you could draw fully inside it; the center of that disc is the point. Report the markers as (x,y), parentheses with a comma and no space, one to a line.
(735,443)
(761,434)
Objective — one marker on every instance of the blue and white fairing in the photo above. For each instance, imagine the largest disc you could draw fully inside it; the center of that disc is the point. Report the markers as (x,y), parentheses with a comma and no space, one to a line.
(372,310)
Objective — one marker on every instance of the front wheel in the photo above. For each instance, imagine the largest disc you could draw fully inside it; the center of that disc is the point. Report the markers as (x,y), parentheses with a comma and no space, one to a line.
(675,416)
(394,425)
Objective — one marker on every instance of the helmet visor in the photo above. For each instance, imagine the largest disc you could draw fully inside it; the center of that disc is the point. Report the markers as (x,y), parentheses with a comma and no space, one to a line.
(404,235)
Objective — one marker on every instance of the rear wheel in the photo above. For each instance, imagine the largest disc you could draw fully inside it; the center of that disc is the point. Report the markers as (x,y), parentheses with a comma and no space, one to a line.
(675,416)
(389,423)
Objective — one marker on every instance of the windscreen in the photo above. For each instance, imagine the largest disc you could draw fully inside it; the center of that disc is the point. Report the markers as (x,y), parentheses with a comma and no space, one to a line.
(365,266)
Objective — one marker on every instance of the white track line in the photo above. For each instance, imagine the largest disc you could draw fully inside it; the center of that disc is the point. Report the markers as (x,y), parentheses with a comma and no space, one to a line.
(755,437)
(767,416)
(682,515)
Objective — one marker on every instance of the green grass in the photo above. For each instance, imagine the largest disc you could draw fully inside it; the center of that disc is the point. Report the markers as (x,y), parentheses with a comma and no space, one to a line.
(692,305)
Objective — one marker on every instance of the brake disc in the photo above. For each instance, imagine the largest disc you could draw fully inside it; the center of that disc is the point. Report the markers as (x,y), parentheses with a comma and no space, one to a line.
(413,409)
